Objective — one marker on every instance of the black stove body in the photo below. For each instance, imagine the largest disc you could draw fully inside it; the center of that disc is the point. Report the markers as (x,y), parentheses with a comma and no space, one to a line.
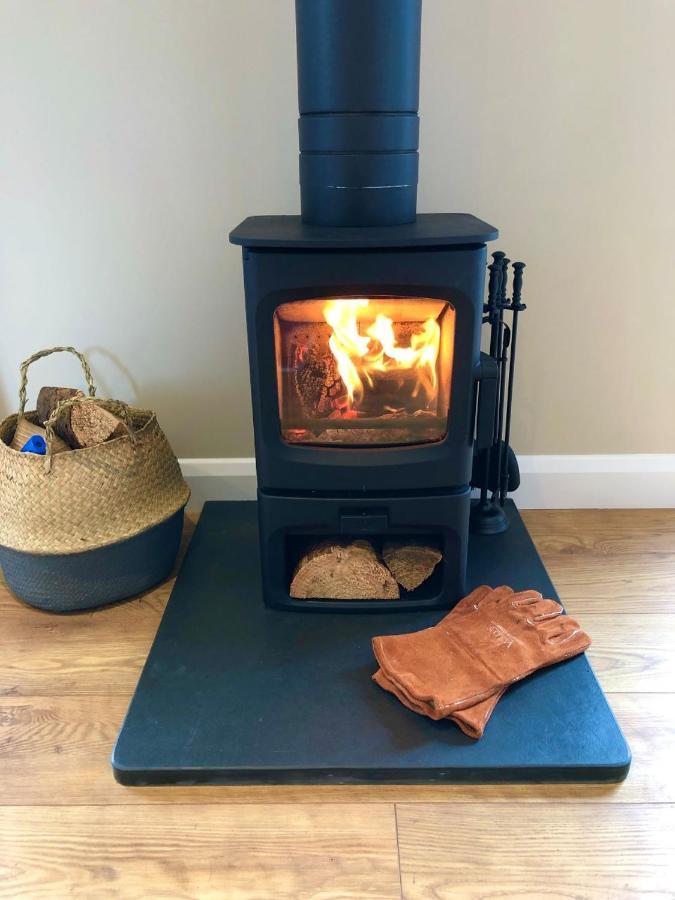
(394,484)
(364,319)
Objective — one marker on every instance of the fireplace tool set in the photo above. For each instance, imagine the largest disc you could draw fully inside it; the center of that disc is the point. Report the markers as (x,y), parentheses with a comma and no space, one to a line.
(495,469)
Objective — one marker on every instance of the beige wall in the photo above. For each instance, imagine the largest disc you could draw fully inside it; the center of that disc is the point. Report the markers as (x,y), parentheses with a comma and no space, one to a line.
(136,133)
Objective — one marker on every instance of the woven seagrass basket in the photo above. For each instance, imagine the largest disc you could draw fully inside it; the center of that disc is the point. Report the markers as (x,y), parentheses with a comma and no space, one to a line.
(87,527)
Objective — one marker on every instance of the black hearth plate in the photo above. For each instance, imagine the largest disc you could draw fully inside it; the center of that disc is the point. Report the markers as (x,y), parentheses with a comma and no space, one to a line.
(235,693)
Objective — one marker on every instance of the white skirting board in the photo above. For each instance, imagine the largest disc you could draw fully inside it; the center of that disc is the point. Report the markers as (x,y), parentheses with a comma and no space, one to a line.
(627,480)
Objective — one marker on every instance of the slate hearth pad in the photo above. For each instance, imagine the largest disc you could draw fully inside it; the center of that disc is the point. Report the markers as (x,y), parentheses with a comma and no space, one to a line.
(235,693)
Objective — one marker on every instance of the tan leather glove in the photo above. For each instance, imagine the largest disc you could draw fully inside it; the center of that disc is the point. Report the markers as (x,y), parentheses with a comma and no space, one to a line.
(486,643)
(473,719)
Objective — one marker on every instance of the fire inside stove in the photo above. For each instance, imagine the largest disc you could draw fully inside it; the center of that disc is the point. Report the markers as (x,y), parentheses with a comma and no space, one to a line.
(356,371)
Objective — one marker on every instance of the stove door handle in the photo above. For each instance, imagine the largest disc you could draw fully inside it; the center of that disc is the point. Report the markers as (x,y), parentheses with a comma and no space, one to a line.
(487,376)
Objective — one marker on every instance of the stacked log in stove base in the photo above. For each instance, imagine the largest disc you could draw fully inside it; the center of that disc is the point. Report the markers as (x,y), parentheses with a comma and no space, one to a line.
(354,570)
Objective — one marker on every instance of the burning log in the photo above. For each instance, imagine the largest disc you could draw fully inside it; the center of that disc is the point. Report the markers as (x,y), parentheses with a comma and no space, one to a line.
(336,371)
(317,381)
(410,562)
(343,571)
(355,437)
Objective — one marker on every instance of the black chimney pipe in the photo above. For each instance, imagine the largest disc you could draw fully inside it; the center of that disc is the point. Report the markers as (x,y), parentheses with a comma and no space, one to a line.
(358,95)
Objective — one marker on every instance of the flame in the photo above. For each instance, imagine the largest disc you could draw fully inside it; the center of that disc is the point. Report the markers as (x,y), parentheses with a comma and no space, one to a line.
(360,356)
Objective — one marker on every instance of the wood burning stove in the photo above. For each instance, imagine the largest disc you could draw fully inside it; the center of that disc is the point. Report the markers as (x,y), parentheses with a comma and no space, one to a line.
(364,320)
(364,347)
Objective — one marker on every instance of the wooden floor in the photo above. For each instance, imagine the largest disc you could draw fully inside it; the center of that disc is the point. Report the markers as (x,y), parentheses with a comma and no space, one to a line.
(68,830)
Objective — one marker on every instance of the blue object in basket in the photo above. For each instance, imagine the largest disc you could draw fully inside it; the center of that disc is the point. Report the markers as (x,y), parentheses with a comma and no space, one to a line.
(35,444)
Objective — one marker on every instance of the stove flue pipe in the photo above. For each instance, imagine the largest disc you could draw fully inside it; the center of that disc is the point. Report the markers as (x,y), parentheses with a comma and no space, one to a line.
(358,95)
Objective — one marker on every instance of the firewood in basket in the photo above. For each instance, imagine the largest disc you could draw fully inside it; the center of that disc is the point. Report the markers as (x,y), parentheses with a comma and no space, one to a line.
(343,571)
(25,430)
(50,397)
(411,562)
(87,424)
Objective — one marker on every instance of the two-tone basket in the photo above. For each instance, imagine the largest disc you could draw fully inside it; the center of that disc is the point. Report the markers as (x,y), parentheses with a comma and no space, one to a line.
(87,527)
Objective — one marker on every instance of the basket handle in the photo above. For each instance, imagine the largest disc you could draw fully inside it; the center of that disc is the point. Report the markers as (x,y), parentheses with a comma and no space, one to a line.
(72,401)
(31,359)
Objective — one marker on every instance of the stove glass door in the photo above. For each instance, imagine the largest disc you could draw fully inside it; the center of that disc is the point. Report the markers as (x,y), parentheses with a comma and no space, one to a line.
(364,371)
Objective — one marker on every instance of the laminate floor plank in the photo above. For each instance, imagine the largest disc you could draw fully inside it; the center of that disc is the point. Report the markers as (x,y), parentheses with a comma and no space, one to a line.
(591,584)
(613,532)
(608,561)
(511,850)
(99,652)
(632,654)
(285,851)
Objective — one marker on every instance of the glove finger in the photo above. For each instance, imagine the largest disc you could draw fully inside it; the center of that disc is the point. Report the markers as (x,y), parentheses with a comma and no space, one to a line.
(542,610)
(565,631)
(475,598)
(499,594)
(469,603)
(525,598)
(478,597)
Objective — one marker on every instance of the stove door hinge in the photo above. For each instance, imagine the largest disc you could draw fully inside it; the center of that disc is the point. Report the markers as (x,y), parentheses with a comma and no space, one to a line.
(487,379)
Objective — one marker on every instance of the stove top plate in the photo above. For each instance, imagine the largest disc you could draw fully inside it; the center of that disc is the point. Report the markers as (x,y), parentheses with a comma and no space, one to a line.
(429,230)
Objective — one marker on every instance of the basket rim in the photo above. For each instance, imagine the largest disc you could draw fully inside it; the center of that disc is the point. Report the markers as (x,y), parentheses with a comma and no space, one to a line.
(33,458)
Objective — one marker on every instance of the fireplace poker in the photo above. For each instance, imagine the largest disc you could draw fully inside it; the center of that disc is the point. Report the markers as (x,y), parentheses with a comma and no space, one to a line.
(503,339)
(494,294)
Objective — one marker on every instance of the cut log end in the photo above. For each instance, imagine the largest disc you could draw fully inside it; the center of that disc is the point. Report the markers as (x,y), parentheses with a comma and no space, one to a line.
(50,397)
(25,430)
(410,562)
(88,424)
(343,571)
